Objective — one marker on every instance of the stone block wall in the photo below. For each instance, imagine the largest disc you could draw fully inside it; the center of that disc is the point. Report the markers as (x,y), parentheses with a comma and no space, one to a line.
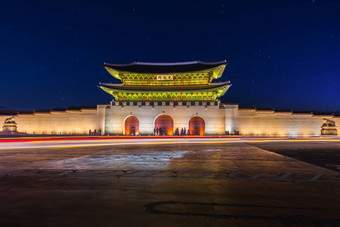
(252,122)
(69,122)
(218,118)
(147,112)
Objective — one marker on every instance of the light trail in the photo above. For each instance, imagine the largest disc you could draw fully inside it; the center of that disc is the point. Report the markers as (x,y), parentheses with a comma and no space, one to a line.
(73,142)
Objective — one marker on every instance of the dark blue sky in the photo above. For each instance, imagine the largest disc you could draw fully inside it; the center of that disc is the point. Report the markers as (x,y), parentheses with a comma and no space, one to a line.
(283,54)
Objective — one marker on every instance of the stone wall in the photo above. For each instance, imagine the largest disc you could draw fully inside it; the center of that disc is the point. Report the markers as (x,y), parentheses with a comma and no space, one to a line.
(219,119)
(57,122)
(254,122)
(146,113)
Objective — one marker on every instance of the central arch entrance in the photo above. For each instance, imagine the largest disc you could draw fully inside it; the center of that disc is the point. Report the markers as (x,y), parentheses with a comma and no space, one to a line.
(197,126)
(131,126)
(164,125)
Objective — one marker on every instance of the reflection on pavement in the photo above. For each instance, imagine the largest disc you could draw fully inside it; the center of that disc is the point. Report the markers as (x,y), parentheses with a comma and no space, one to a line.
(154,160)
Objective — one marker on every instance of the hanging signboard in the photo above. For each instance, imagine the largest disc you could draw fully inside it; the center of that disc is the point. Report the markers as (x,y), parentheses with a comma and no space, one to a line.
(164,77)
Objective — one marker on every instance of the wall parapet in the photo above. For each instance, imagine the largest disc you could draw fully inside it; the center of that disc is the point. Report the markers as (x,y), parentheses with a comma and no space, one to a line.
(290,112)
(46,112)
(165,103)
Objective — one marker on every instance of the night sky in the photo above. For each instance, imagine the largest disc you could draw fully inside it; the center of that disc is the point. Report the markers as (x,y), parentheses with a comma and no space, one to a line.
(283,54)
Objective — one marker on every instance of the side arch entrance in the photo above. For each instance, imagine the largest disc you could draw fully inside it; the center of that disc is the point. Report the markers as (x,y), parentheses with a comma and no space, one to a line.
(164,125)
(197,126)
(131,126)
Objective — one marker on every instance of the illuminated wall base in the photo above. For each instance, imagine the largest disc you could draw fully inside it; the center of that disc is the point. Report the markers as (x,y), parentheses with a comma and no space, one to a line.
(212,119)
(116,114)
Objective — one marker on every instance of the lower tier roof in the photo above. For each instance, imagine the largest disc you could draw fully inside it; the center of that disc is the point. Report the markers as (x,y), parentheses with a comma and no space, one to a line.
(166,93)
(164,88)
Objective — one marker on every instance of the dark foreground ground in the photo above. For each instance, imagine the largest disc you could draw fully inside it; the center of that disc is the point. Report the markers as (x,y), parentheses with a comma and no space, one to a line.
(323,154)
(234,184)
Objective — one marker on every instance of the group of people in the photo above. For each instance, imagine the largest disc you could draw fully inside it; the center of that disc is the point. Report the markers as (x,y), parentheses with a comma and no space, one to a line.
(133,131)
(95,133)
(183,132)
(159,131)
(162,131)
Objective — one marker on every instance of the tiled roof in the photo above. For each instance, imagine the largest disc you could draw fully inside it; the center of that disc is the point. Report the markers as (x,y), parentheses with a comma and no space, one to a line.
(163,87)
(149,67)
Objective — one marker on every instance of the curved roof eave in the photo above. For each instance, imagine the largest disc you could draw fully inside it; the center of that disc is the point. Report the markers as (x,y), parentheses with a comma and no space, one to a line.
(168,63)
(175,67)
(113,72)
(223,87)
(163,87)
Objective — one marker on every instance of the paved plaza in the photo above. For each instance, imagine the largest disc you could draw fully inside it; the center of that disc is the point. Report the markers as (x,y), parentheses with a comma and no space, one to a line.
(212,183)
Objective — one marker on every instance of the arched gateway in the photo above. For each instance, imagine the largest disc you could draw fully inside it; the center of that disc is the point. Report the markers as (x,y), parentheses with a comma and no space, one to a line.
(183,88)
(164,125)
(197,126)
(131,126)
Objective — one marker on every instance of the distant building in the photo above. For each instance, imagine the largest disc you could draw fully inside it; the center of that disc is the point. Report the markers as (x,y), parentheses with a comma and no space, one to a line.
(170,99)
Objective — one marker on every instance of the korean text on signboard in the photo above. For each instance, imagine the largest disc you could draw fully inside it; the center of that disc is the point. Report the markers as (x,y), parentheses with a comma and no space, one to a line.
(164,77)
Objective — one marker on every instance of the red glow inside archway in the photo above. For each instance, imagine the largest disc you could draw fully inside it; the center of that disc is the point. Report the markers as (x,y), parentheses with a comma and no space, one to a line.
(132,126)
(197,126)
(165,125)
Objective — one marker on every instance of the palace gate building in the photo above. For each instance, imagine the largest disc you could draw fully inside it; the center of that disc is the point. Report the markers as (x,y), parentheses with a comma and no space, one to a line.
(169,99)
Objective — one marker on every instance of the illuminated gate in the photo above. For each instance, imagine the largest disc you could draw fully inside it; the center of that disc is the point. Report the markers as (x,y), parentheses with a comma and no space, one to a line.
(131,126)
(164,125)
(197,126)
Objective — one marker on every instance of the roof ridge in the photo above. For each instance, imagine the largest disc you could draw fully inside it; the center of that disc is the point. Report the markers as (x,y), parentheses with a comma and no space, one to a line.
(167,63)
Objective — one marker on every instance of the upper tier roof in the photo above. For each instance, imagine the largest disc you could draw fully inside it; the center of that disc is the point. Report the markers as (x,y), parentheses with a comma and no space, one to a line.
(175,67)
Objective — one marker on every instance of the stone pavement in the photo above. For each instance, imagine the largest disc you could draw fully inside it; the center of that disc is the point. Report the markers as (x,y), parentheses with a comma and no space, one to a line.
(164,185)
